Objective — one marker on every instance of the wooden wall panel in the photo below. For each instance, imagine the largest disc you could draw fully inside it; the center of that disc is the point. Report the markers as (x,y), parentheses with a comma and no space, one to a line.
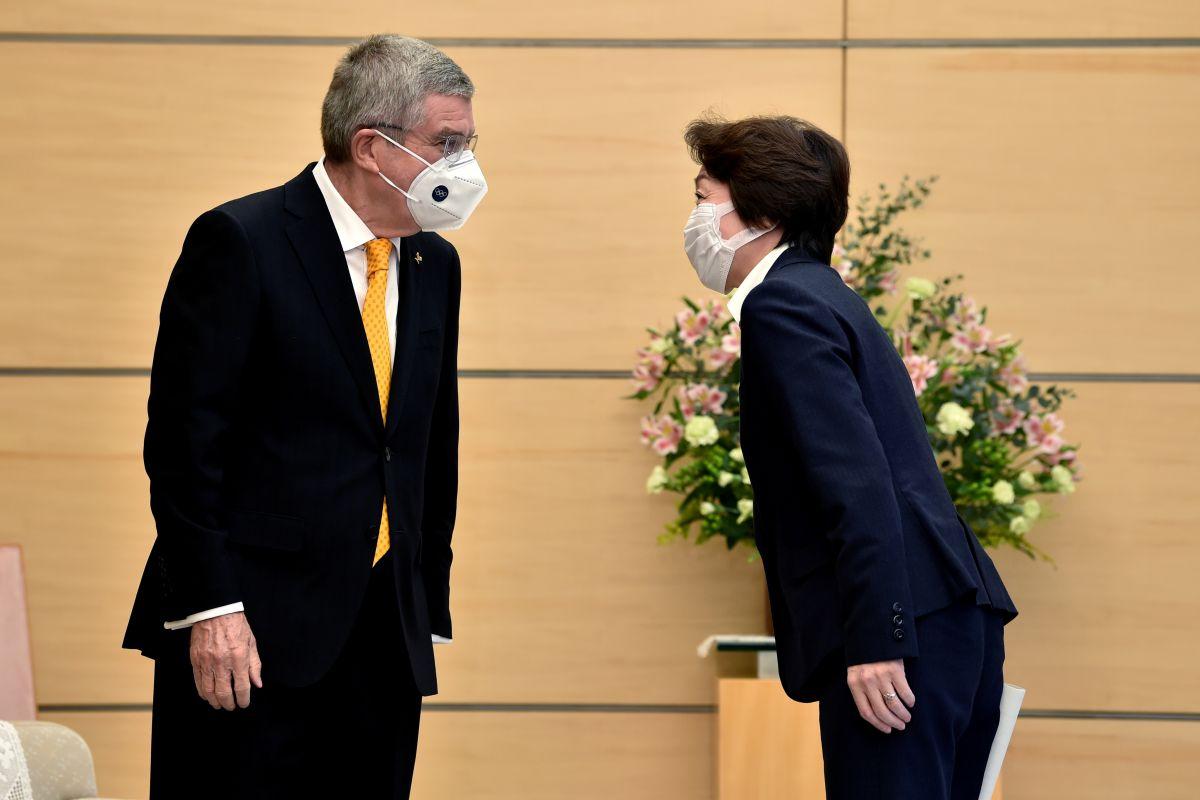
(163,134)
(1070,186)
(1058,759)
(73,493)
(984,19)
(501,755)
(580,245)
(1105,629)
(575,251)
(621,19)
(560,592)
(558,577)
(483,755)
(550,756)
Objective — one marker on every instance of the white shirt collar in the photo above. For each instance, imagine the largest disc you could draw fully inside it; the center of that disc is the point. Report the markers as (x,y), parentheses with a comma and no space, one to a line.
(738,296)
(351,230)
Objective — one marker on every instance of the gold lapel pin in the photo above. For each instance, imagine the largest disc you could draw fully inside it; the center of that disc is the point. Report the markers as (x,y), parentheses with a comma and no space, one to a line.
(418,259)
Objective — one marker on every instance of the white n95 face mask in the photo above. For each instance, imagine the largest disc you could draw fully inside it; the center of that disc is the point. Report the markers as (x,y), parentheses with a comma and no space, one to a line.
(712,256)
(442,195)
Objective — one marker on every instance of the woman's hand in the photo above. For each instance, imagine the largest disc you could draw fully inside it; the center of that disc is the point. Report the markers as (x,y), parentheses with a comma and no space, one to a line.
(881,694)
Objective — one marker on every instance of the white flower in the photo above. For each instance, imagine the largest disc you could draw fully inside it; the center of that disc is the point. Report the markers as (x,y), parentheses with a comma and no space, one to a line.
(1062,476)
(1026,480)
(726,478)
(745,475)
(660,345)
(1032,508)
(657,480)
(1019,525)
(920,288)
(953,419)
(1002,492)
(707,508)
(745,509)
(736,455)
(701,431)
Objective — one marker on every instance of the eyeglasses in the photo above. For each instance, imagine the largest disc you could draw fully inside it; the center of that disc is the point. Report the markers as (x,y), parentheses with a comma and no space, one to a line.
(453,144)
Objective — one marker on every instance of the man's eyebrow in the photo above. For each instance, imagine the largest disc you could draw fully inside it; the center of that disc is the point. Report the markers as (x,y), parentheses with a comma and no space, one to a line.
(448,131)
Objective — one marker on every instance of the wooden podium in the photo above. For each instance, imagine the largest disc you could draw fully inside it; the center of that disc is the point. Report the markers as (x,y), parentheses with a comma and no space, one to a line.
(768,746)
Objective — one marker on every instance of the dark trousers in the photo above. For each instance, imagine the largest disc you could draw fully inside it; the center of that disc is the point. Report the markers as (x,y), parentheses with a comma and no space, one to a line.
(351,734)
(941,754)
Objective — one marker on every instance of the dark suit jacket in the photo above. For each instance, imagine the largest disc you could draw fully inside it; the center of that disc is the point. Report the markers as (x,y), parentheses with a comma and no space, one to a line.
(267,454)
(857,531)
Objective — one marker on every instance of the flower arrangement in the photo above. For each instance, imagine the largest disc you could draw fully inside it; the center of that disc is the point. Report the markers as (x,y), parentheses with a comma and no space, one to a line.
(998,437)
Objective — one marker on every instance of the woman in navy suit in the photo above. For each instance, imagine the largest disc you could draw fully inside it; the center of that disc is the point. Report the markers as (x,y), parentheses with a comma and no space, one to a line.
(886,608)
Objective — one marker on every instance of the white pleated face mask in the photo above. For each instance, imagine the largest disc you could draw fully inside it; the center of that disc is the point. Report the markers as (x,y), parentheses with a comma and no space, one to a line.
(712,256)
(443,195)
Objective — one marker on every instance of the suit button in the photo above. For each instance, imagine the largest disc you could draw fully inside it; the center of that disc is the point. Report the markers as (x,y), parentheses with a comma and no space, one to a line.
(897,634)
(897,608)
(387,454)
(897,620)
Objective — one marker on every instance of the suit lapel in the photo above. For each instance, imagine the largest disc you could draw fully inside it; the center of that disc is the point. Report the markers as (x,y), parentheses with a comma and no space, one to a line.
(316,243)
(408,282)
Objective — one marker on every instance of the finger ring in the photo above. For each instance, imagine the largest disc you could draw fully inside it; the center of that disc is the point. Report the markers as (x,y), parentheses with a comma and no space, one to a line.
(889,696)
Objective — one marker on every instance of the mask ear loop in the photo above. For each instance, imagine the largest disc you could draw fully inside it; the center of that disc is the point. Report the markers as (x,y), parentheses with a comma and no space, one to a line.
(742,237)
(388,180)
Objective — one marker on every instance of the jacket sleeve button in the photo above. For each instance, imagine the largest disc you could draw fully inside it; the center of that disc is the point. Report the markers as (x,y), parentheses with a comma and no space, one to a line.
(897,620)
(897,634)
(897,608)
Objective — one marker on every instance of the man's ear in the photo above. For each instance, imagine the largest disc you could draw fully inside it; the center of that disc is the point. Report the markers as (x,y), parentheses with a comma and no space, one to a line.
(362,149)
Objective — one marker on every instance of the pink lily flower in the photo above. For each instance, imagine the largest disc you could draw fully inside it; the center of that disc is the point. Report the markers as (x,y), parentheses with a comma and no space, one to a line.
(1044,432)
(974,339)
(1012,375)
(671,435)
(1008,417)
(649,371)
(693,326)
(920,370)
(732,341)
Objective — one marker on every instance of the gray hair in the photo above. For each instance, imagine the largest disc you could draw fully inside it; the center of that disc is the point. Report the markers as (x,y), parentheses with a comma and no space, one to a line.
(385,79)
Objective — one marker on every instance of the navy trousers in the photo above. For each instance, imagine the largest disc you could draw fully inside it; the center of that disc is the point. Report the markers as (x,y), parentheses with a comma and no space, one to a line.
(351,734)
(941,754)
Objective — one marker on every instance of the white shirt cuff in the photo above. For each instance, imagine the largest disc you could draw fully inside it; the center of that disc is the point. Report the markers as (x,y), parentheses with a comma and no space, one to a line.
(440,639)
(188,621)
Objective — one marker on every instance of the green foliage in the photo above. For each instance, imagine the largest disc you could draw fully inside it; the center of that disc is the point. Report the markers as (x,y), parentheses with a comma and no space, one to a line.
(996,436)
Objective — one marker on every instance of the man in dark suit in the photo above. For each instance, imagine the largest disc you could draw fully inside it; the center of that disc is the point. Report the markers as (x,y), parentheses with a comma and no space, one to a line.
(881,594)
(302,452)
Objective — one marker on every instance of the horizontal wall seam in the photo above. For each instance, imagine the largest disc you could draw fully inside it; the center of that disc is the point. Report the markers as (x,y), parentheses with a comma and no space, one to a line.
(649,708)
(597,374)
(619,43)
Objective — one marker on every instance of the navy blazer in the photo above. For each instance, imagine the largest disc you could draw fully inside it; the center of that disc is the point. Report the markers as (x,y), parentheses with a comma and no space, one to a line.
(857,532)
(267,453)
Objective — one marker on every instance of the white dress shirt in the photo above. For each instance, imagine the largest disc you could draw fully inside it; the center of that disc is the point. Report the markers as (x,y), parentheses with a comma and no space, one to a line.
(738,296)
(354,234)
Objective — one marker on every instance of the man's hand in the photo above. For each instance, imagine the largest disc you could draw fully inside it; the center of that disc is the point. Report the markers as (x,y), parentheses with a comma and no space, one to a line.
(225,660)
(881,694)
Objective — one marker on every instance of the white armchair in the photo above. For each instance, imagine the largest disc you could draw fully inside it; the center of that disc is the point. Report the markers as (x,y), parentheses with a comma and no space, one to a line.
(44,761)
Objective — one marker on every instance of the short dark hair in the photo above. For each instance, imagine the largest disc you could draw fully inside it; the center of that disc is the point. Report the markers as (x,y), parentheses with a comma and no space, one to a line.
(779,170)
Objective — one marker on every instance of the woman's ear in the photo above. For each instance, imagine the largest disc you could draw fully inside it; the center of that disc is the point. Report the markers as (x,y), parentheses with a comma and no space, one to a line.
(731,223)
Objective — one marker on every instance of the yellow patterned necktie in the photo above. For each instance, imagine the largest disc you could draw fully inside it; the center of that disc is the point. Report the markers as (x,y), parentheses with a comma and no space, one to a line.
(374,314)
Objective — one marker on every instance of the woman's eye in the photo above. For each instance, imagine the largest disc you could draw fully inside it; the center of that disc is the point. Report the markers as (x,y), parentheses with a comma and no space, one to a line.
(699,197)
